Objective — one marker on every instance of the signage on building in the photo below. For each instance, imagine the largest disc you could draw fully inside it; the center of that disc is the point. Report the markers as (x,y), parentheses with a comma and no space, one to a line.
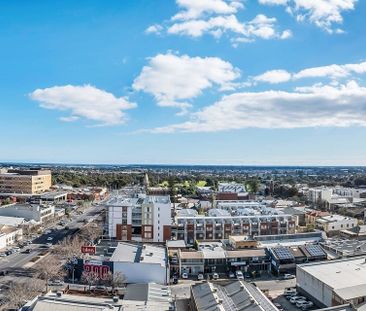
(101,270)
(88,249)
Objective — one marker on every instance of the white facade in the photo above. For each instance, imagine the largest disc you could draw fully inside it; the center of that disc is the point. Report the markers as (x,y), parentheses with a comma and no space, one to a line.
(335,223)
(141,264)
(36,212)
(334,282)
(9,236)
(317,195)
(142,217)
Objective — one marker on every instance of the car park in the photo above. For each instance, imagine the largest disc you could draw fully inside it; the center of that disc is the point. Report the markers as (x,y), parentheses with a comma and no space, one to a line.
(239,275)
(215,276)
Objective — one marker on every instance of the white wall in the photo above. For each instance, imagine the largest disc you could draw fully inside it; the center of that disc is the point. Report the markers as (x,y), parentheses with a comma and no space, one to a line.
(141,273)
(162,217)
(314,287)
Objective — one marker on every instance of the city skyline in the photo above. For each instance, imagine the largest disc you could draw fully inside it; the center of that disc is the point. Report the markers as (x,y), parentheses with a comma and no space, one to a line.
(267,82)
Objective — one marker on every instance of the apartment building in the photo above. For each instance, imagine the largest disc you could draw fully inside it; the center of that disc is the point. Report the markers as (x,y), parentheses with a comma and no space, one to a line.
(139,218)
(31,181)
(219,223)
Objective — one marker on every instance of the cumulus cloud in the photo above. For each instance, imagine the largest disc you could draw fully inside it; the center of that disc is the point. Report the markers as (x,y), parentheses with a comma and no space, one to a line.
(333,72)
(274,76)
(175,79)
(84,102)
(317,106)
(218,17)
(322,13)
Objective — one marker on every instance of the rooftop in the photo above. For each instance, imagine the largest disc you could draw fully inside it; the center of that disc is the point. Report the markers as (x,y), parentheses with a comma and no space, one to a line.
(145,253)
(347,277)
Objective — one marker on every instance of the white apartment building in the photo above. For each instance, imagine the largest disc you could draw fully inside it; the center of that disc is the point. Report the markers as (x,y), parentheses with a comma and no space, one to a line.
(320,194)
(139,218)
(219,224)
(9,235)
(335,223)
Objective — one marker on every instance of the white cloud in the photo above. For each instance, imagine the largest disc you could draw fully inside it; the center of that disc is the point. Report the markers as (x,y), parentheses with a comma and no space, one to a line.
(84,102)
(218,17)
(274,76)
(318,106)
(156,28)
(333,72)
(193,9)
(173,79)
(322,13)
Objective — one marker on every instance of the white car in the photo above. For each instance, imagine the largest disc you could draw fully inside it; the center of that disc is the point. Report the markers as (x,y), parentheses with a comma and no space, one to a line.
(294,299)
(306,305)
(288,276)
(215,276)
(48,244)
(290,291)
(200,277)
(49,238)
(300,302)
(239,275)
(184,275)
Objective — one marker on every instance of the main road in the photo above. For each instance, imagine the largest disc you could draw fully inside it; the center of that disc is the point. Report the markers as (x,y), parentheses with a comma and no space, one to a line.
(57,233)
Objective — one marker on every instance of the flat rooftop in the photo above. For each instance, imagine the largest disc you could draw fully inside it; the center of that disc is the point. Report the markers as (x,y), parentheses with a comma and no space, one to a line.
(347,276)
(145,253)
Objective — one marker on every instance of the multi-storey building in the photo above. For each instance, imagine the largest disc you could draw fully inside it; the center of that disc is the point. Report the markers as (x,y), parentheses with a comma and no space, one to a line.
(219,224)
(139,218)
(30,181)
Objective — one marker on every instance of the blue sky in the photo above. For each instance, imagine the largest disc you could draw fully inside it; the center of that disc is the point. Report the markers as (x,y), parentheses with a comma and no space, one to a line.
(200,82)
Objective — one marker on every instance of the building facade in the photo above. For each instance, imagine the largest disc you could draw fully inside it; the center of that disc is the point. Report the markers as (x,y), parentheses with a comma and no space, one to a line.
(140,218)
(25,181)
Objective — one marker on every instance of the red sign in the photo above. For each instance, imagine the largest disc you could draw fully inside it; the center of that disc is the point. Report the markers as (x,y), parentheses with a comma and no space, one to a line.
(100,270)
(88,250)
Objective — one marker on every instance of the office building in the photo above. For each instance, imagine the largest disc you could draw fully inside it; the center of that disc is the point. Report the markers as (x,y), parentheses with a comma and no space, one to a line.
(139,218)
(31,181)
(31,212)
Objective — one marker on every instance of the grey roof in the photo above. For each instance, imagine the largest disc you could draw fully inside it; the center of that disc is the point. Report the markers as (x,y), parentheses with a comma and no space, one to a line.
(235,296)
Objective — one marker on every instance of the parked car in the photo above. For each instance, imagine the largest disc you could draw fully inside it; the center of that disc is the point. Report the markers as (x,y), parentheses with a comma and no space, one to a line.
(49,238)
(300,302)
(239,275)
(231,275)
(278,306)
(306,305)
(4,272)
(200,277)
(184,275)
(288,276)
(290,291)
(27,251)
(294,299)
(215,276)
(3,255)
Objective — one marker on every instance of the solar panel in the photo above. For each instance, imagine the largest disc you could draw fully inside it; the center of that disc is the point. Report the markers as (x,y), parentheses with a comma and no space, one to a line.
(315,250)
(283,253)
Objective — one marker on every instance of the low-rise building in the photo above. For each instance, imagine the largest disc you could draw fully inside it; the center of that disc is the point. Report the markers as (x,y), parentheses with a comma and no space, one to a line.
(237,295)
(10,235)
(334,223)
(36,212)
(141,263)
(335,282)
